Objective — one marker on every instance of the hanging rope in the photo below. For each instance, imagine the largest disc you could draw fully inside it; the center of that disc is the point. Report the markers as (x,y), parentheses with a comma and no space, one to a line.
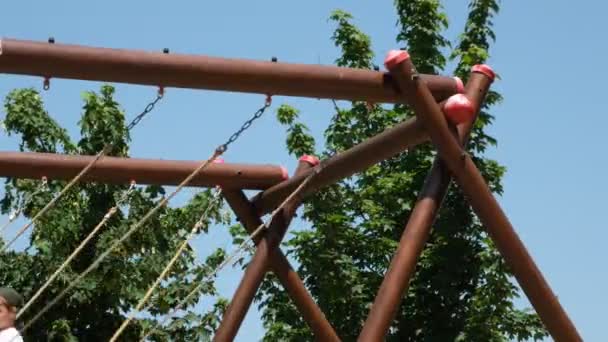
(15,214)
(107,148)
(195,229)
(78,249)
(232,256)
(218,152)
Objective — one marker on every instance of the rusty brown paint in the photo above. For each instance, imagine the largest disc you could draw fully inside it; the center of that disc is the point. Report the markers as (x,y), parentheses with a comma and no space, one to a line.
(473,185)
(358,158)
(257,268)
(288,277)
(116,170)
(203,72)
(417,230)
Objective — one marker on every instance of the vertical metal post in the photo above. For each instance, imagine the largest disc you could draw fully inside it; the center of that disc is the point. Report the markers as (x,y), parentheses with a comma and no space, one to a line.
(482,200)
(257,268)
(418,228)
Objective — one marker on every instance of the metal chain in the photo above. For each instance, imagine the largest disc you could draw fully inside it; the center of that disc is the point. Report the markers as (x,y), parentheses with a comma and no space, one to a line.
(217,153)
(146,110)
(258,114)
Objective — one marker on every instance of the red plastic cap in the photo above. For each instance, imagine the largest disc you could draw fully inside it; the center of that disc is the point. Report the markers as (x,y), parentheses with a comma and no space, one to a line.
(218,161)
(284,173)
(484,69)
(458,109)
(394,57)
(312,160)
(459,85)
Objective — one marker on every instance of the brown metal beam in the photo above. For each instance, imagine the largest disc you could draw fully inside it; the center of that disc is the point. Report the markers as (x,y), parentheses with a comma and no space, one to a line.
(288,277)
(373,150)
(202,72)
(144,171)
(485,205)
(418,228)
(257,268)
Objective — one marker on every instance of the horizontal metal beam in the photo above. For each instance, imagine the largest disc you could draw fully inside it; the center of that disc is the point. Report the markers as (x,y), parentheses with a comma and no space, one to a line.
(203,72)
(144,171)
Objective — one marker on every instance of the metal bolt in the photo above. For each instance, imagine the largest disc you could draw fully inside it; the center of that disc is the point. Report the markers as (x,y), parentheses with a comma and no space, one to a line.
(463,155)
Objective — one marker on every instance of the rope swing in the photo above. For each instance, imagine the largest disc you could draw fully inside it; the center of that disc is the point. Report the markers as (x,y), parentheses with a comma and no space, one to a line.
(216,154)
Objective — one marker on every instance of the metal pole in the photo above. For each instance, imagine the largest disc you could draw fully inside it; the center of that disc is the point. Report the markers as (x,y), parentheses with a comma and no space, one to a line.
(418,228)
(257,268)
(145,171)
(203,72)
(483,202)
(373,150)
(288,277)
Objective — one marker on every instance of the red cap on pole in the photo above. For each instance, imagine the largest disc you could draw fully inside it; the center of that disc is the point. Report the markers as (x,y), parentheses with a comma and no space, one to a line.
(458,109)
(312,160)
(395,57)
(284,173)
(459,85)
(484,69)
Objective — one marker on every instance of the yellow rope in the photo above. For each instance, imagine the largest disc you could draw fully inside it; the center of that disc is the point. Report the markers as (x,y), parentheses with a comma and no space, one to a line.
(164,273)
(14,215)
(78,249)
(231,257)
(136,226)
(56,198)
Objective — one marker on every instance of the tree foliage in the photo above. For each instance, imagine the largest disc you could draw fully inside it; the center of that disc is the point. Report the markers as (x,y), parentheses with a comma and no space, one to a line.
(98,305)
(461,290)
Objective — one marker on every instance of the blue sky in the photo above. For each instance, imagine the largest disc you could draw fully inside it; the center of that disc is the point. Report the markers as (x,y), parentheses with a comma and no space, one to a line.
(549,127)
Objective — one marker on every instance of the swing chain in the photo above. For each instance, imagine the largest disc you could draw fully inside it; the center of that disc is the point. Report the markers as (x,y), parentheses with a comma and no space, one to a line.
(147,110)
(258,114)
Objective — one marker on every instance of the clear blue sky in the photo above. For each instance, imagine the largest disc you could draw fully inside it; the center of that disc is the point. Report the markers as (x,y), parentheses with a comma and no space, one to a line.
(549,128)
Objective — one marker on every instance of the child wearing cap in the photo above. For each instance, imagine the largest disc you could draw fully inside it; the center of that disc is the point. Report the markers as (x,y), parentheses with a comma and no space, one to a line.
(10,300)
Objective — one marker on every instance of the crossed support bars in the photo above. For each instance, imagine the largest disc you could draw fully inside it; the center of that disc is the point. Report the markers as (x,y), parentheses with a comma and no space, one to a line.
(452,159)
(427,95)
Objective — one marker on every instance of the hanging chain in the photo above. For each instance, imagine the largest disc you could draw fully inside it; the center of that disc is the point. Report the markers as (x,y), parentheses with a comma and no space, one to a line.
(148,109)
(218,151)
(106,149)
(258,114)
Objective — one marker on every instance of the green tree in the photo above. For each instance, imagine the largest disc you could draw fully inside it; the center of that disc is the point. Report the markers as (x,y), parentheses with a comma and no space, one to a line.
(461,290)
(97,306)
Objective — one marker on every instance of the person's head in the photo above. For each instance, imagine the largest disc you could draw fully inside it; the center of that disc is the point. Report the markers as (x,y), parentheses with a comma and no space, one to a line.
(10,301)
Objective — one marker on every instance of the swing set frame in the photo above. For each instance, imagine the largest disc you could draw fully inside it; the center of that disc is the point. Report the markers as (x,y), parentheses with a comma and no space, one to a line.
(426,94)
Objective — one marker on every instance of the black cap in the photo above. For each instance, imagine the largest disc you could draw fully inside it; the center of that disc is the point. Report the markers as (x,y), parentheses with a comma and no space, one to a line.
(12,297)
